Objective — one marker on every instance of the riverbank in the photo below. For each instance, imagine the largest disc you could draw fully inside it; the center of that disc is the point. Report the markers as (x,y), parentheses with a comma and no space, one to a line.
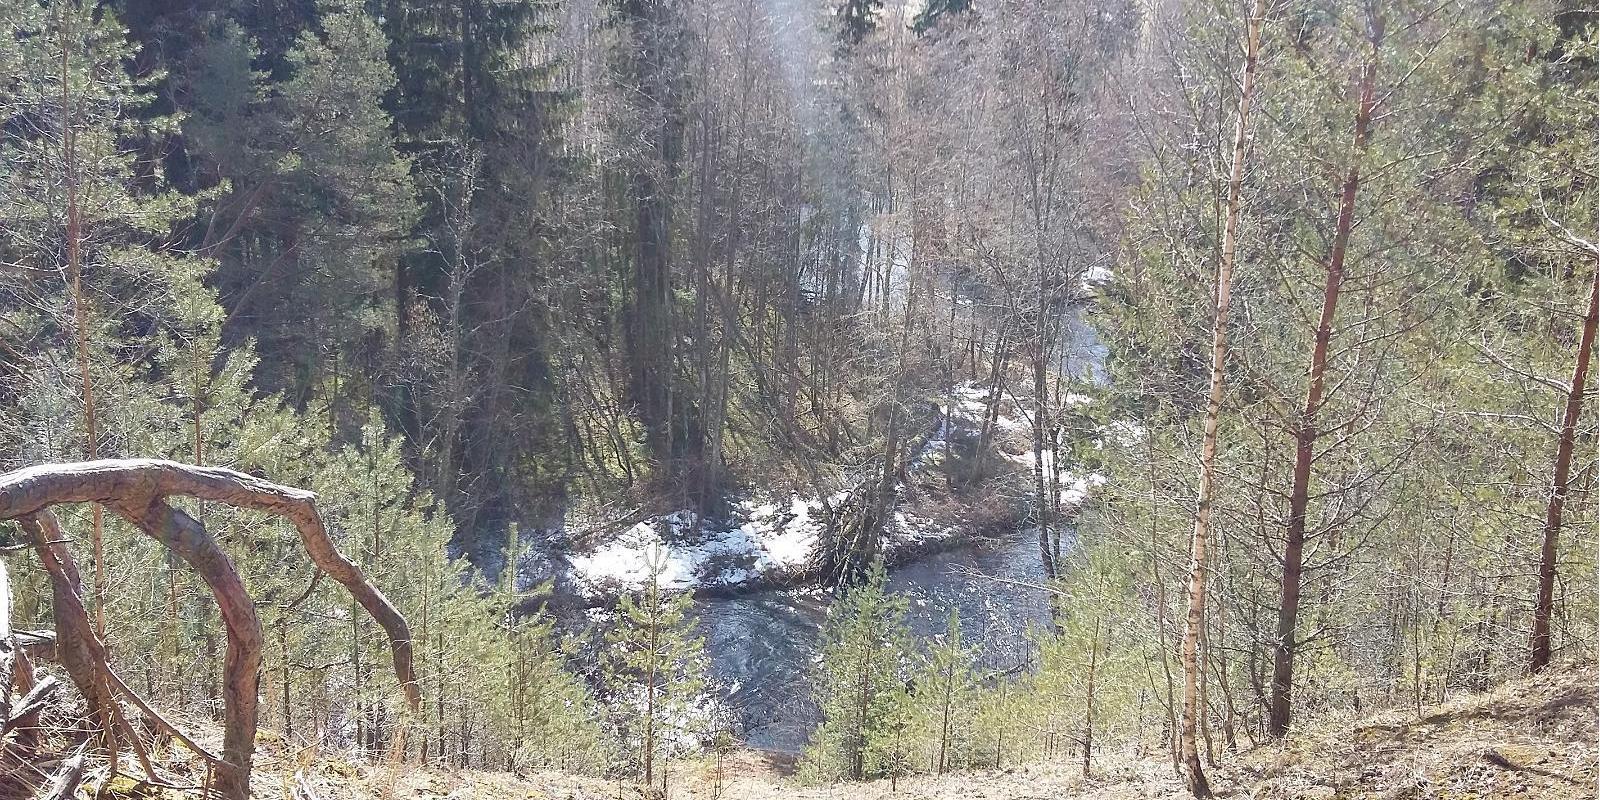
(769,541)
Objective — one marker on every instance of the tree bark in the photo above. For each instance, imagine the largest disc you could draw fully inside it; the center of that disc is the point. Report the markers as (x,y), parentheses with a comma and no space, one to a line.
(1542,611)
(866,548)
(991,404)
(1040,489)
(242,659)
(1306,425)
(1189,752)
(80,314)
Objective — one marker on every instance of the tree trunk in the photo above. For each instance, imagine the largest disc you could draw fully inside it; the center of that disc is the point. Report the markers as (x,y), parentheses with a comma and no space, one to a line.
(1088,700)
(80,319)
(1228,713)
(871,532)
(1041,404)
(991,406)
(650,683)
(1161,616)
(1189,752)
(1306,425)
(1558,491)
(651,178)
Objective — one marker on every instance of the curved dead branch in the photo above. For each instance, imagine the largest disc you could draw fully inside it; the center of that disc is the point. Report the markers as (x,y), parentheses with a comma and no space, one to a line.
(129,485)
(241,672)
(136,489)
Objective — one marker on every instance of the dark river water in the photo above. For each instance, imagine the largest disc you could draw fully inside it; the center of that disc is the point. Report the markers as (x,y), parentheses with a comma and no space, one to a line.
(762,645)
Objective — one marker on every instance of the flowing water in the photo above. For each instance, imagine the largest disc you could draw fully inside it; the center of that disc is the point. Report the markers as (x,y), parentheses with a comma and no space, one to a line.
(762,645)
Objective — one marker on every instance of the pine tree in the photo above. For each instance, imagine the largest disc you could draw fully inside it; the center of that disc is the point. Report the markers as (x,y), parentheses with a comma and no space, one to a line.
(994,725)
(946,698)
(893,736)
(89,277)
(1539,175)
(479,114)
(864,648)
(657,673)
(315,203)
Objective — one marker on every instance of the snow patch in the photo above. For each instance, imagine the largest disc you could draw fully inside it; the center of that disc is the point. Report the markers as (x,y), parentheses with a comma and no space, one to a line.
(771,538)
(1075,490)
(1121,433)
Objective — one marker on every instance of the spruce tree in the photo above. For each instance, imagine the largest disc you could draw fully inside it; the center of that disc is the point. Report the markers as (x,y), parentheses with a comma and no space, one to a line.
(315,203)
(858,19)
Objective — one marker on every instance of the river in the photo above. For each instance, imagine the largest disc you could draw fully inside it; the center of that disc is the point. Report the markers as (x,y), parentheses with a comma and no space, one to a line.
(762,645)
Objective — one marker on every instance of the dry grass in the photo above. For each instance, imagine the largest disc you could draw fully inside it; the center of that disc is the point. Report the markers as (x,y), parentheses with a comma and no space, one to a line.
(1531,738)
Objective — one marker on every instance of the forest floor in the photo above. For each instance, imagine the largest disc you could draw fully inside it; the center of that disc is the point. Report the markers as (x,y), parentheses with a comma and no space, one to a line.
(1531,738)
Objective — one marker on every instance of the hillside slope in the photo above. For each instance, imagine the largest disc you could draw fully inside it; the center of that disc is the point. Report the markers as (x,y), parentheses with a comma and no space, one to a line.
(1532,738)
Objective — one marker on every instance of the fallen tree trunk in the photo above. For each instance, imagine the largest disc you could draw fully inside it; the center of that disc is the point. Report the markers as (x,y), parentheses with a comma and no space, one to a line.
(64,785)
(136,489)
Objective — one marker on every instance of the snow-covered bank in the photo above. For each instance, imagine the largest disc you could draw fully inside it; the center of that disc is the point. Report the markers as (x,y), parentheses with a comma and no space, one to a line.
(770,541)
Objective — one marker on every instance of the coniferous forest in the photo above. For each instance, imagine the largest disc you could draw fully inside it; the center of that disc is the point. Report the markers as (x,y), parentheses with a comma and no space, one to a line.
(798,398)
